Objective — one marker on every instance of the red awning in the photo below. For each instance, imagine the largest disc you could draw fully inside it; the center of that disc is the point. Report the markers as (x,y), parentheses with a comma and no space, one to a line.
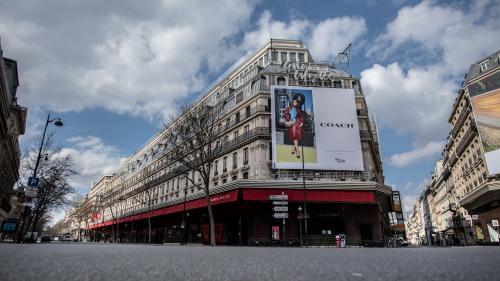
(217,199)
(297,195)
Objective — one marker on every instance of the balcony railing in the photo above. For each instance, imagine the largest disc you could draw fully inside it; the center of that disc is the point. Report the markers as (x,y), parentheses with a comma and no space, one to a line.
(365,134)
(245,138)
(324,175)
(460,121)
(466,139)
(253,111)
(226,147)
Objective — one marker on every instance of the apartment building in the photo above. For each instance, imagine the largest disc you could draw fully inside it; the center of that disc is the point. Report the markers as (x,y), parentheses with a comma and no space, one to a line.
(464,191)
(12,124)
(244,175)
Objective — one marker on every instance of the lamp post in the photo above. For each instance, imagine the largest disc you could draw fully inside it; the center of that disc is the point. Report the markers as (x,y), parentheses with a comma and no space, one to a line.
(58,123)
(300,217)
(183,223)
(304,188)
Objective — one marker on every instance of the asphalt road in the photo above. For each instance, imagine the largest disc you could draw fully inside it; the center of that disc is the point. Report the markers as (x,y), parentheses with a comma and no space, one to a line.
(167,262)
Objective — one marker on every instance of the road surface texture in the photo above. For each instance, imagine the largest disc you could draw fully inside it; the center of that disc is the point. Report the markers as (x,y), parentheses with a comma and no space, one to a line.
(120,262)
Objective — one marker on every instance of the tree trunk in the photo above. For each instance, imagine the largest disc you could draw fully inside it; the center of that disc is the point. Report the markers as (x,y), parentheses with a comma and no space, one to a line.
(117,231)
(211,218)
(149,229)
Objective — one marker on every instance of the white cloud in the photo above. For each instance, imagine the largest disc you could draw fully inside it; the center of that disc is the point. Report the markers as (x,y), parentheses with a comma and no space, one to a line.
(434,45)
(126,57)
(92,159)
(430,150)
(411,193)
(416,102)
(325,39)
(458,36)
(143,59)
(331,36)
(268,28)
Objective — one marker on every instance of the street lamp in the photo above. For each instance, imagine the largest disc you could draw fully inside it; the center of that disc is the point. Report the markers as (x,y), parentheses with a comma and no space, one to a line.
(58,123)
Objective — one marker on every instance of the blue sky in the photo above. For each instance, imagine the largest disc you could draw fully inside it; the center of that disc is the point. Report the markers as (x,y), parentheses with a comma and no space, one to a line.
(114,71)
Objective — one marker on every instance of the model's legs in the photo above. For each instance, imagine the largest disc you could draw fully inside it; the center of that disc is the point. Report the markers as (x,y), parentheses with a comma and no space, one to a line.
(296,147)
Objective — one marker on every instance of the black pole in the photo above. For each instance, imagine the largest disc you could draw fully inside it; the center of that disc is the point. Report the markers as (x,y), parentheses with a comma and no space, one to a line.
(304,187)
(183,225)
(41,146)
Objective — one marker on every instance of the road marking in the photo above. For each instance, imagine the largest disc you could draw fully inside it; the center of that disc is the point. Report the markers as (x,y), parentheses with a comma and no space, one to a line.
(358,274)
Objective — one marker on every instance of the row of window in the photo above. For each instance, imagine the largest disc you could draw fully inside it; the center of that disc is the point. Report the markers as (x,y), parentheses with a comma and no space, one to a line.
(234,162)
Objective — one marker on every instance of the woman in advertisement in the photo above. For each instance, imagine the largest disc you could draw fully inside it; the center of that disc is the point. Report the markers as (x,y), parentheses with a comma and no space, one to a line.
(295,121)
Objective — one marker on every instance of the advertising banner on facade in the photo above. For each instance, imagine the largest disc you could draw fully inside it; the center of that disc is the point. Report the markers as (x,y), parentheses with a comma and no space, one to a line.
(316,125)
(485,99)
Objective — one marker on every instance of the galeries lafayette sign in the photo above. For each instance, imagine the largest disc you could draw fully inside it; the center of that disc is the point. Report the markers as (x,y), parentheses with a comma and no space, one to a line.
(308,71)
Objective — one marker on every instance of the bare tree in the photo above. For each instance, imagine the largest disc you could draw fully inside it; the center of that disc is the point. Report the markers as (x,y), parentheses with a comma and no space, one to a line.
(81,213)
(112,200)
(147,198)
(195,140)
(57,229)
(54,170)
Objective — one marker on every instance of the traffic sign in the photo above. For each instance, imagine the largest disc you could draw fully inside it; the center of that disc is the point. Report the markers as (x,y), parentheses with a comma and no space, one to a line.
(278,197)
(280,208)
(475,217)
(281,203)
(33,182)
(494,223)
(280,215)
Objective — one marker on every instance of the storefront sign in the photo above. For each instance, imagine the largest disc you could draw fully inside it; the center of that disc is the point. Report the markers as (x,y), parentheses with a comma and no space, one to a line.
(308,71)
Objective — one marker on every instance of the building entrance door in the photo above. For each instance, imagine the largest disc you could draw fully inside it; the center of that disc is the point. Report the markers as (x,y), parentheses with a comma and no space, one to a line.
(365,231)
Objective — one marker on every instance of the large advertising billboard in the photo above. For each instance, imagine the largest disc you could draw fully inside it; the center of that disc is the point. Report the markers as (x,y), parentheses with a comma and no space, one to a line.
(321,122)
(485,99)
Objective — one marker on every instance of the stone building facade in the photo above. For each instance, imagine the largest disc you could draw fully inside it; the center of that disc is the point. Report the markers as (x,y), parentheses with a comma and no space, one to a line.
(354,203)
(12,124)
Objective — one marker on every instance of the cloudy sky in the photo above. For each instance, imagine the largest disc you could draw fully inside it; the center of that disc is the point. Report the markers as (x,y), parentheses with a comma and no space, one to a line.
(112,70)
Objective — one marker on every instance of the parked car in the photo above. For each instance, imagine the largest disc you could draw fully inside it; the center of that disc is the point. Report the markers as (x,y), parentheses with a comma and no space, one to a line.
(56,238)
(45,239)
(67,238)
